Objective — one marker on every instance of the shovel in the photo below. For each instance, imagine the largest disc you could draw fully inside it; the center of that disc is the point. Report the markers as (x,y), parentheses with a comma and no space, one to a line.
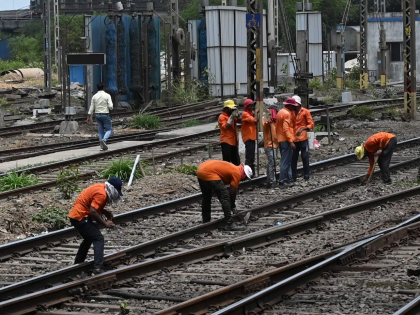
(373,169)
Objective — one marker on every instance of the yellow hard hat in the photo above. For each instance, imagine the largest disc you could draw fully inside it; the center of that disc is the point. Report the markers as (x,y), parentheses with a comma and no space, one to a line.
(229,103)
(360,151)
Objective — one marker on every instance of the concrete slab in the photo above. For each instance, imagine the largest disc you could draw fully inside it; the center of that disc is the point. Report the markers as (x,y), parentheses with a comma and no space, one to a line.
(186,131)
(66,155)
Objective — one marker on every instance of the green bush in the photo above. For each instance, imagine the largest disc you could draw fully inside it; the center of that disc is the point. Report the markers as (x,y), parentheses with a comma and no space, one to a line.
(190,123)
(67,181)
(187,169)
(145,121)
(362,112)
(14,180)
(122,169)
(190,92)
(315,84)
(11,64)
(3,101)
(53,218)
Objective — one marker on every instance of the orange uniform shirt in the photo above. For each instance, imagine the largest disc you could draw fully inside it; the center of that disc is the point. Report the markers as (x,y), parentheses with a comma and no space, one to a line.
(270,139)
(227,135)
(94,196)
(220,170)
(374,143)
(303,119)
(285,123)
(249,127)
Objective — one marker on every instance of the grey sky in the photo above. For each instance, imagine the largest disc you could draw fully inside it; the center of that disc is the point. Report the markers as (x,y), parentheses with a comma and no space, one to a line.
(13,4)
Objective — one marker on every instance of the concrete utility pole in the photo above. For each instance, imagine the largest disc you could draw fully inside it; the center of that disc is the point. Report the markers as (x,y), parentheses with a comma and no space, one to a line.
(176,40)
(382,54)
(409,14)
(364,74)
(340,70)
(47,46)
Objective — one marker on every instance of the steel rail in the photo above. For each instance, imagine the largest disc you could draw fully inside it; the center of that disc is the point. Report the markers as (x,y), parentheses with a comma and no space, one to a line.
(273,294)
(149,248)
(57,147)
(54,238)
(61,292)
(412,308)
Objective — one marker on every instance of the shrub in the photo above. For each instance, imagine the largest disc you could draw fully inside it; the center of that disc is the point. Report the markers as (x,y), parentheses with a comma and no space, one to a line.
(145,121)
(362,112)
(187,169)
(3,101)
(14,180)
(190,123)
(67,181)
(53,218)
(122,169)
(315,84)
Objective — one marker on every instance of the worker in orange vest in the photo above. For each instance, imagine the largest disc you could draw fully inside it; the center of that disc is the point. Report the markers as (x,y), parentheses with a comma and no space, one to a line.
(249,132)
(303,124)
(229,132)
(285,124)
(212,176)
(380,146)
(270,143)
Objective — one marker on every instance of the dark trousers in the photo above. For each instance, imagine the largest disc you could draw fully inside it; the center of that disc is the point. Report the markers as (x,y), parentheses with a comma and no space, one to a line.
(303,147)
(385,158)
(91,234)
(230,153)
(286,162)
(250,154)
(207,189)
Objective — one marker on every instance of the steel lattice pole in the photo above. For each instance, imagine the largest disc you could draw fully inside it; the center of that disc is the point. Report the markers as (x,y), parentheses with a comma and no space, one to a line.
(409,14)
(251,58)
(363,45)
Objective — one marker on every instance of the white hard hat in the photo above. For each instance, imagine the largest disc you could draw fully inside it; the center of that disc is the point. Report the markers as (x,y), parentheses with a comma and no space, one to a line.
(297,99)
(248,171)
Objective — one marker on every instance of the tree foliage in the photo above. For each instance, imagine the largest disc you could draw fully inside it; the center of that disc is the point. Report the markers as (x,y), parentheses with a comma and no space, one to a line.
(26,44)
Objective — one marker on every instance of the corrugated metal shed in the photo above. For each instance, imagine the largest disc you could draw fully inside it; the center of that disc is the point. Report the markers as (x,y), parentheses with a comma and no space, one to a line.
(77,74)
(284,62)
(312,22)
(227,50)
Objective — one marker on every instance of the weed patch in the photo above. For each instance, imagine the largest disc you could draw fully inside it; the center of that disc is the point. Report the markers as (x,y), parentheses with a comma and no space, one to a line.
(122,169)
(67,181)
(14,180)
(190,123)
(362,112)
(146,121)
(53,218)
(187,169)
(315,84)
(3,101)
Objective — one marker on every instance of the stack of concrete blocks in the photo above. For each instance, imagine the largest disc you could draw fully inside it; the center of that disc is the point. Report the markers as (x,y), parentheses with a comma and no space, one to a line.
(41,106)
(69,126)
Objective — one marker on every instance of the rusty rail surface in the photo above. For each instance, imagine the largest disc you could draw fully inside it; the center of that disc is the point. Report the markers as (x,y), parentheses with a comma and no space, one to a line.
(59,291)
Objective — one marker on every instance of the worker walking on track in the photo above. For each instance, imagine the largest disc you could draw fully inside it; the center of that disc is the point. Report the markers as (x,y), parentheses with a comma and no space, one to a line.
(249,132)
(380,146)
(229,132)
(101,104)
(285,124)
(270,143)
(89,207)
(303,124)
(212,176)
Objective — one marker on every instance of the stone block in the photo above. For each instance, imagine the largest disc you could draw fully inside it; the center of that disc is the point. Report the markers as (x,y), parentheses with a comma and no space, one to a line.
(69,127)
(346,97)
(37,112)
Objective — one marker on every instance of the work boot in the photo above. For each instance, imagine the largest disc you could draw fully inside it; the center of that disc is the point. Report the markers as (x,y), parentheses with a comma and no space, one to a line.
(97,271)
(234,226)
(104,147)
(286,184)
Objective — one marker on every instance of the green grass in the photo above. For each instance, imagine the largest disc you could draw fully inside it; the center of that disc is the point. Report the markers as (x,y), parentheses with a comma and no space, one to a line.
(190,123)
(3,101)
(53,218)
(14,181)
(317,128)
(362,112)
(187,169)
(122,169)
(315,84)
(146,121)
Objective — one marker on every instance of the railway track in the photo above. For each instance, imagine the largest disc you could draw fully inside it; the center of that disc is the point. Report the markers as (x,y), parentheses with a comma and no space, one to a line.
(260,221)
(204,264)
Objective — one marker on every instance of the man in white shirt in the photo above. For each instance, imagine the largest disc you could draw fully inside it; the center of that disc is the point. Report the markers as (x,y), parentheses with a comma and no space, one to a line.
(101,105)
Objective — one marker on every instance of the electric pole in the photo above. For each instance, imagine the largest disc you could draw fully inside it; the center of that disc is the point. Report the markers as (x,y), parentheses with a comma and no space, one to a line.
(47,46)
(364,74)
(409,14)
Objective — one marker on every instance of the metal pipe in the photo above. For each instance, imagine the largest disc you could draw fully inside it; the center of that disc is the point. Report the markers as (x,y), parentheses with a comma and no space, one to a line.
(133,171)
(144,297)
